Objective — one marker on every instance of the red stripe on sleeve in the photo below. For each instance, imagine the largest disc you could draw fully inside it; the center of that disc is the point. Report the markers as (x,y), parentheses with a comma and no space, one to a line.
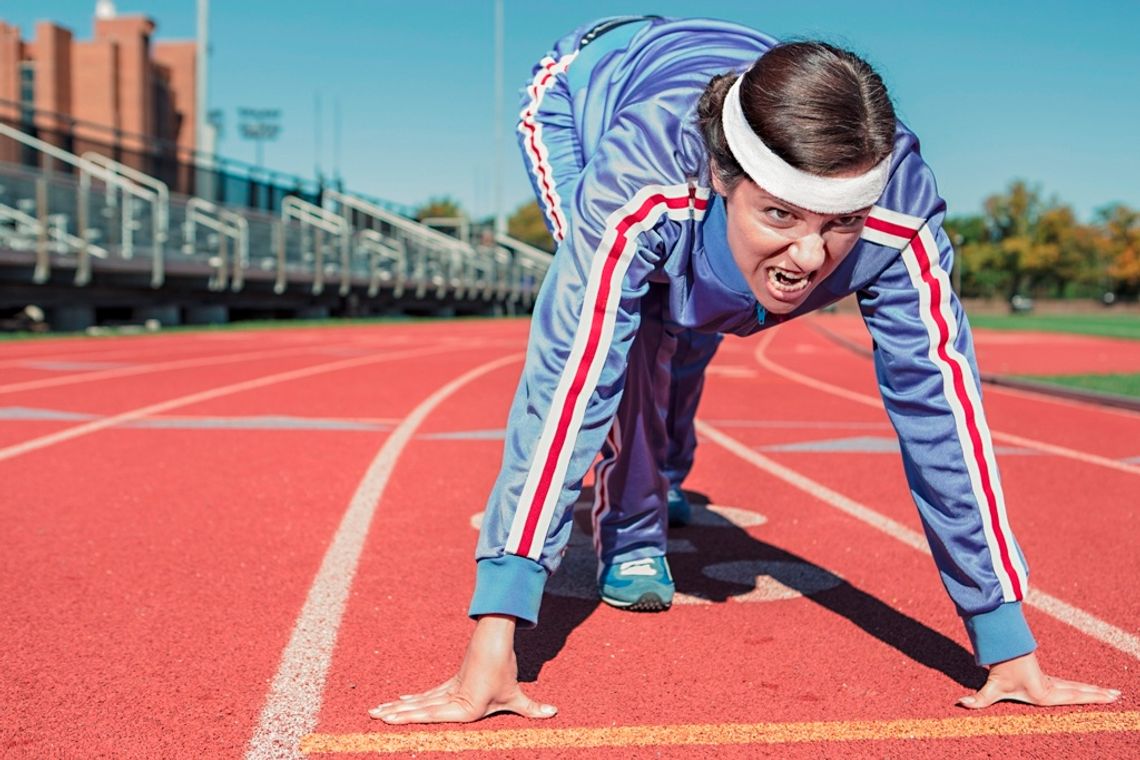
(957,372)
(890,228)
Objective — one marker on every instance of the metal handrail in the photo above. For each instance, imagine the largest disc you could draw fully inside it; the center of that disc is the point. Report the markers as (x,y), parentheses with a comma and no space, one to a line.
(397,221)
(526,249)
(313,215)
(461,224)
(225,223)
(527,258)
(87,170)
(375,244)
(161,206)
(62,237)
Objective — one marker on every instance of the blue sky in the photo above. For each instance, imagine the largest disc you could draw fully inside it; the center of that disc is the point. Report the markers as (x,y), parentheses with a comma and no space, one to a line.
(1045,91)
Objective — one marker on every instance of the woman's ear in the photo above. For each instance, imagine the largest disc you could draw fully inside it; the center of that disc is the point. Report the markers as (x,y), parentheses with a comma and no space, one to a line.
(717,183)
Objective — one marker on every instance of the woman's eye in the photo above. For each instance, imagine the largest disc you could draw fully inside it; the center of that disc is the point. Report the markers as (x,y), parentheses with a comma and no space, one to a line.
(777,214)
(848,221)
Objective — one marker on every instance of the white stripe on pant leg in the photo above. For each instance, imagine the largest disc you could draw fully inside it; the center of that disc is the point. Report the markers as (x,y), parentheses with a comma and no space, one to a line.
(561,397)
(294,699)
(676,193)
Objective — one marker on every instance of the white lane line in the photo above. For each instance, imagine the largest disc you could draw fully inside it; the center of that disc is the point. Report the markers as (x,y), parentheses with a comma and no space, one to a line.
(68,434)
(862,398)
(106,374)
(133,347)
(1084,622)
(294,699)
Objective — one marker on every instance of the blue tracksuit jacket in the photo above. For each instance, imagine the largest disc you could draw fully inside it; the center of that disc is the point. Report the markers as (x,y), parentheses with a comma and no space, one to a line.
(638,212)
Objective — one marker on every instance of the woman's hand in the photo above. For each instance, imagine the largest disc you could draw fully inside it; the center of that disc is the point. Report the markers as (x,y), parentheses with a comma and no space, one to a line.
(487,683)
(1022,680)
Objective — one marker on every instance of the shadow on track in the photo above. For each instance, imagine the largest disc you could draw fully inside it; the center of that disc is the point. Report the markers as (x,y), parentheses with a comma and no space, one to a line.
(723,562)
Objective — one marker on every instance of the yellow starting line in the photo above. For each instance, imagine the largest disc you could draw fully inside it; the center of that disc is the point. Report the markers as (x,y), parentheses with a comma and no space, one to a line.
(383,742)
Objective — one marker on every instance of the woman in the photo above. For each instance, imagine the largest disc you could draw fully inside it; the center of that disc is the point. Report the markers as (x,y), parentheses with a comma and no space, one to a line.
(684,207)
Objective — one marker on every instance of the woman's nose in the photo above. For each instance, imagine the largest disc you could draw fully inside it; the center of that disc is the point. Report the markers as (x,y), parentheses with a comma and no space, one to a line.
(809,253)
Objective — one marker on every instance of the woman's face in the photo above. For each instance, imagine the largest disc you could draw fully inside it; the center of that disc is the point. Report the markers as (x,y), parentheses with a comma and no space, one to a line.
(784,251)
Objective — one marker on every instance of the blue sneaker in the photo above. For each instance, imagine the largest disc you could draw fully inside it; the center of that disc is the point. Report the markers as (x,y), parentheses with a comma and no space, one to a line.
(642,585)
(680,512)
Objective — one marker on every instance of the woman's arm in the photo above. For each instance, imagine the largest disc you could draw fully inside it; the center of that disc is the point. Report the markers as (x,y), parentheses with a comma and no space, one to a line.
(928,378)
(585,320)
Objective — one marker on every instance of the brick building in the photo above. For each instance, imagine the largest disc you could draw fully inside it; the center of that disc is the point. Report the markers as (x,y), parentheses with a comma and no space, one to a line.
(122,90)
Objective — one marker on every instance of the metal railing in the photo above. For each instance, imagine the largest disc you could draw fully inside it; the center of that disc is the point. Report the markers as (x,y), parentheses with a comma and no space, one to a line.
(50,204)
(87,171)
(433,258)
(28,227)
(228,225)
(380,249)
(530,267)
(311,216)
(161,207)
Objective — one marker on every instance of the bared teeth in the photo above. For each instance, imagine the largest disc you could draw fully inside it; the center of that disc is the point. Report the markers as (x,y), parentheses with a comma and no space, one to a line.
(786,282)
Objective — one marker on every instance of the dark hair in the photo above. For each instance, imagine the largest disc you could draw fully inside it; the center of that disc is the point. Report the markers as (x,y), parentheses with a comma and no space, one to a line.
(821,109)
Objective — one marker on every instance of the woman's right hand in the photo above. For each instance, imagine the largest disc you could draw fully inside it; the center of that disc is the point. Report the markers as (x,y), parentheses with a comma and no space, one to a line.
(487,682)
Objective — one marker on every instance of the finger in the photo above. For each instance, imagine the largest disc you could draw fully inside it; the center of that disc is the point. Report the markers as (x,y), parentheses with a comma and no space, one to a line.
(984,697)
(443,688)
(447,712)
(416,703)
(1087,687)
(526,707)
(402,701)
(1067,695)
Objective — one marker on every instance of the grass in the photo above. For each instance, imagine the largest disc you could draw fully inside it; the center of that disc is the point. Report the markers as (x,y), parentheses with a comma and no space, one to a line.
(1118,384)
(1106,325)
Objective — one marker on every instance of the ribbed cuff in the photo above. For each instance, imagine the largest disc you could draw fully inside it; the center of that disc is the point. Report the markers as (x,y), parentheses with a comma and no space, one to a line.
(508,585)
(1000,634)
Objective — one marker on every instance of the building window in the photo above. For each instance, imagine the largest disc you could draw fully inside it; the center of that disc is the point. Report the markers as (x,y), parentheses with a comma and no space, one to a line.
(27,92)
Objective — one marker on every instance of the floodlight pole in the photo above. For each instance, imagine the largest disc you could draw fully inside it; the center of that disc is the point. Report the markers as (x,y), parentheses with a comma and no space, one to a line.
(205,136)
(500,222)
(259,125)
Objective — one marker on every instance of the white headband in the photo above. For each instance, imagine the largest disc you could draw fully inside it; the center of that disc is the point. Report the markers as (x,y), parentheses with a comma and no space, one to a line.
(824,195)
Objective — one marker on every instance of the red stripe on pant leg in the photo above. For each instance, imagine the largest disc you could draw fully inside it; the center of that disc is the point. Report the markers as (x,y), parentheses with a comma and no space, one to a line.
(544,179)
(540,165)
(534,509)
(957,372)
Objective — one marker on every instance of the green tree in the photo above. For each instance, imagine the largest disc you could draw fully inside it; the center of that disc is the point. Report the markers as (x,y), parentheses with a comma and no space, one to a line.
(1037,244)
(443,206)
(976,260)
(1118,246)
(1066,256)
(527,224)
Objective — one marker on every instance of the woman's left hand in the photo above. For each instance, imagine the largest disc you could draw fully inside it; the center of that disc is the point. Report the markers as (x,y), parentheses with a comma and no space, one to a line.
(1022,680)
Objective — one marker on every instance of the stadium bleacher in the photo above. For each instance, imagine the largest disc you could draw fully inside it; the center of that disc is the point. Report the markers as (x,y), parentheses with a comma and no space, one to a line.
(91,237)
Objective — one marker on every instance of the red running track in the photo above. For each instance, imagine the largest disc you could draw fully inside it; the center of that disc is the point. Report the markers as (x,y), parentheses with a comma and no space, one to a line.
(156,568)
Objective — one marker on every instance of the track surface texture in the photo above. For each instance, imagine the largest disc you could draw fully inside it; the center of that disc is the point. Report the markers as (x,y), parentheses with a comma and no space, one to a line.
(233,544)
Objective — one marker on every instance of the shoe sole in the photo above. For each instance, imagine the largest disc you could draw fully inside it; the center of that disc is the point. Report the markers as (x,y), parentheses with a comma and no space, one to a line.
(647,602)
